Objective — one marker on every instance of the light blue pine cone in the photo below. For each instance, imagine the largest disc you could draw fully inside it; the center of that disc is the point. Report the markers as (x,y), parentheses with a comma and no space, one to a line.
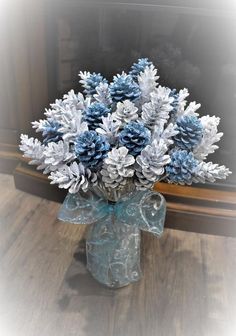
(123,87)
(94,113)
(139,67)
(190,132)
(51,132)
(135,136)
(182,167)
(92,82)
(91,148)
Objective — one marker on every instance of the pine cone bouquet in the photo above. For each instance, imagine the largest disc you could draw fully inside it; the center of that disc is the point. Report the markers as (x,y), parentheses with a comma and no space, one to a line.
(130,132)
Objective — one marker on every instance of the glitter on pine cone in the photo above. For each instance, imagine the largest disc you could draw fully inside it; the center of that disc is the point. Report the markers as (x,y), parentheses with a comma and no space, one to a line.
(182,167)
(135,136)
(91,148)
(123,87)
(94,113)
(190,132)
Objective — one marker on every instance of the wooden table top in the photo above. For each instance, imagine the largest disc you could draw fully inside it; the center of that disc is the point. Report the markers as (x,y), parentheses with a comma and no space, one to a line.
(188,287)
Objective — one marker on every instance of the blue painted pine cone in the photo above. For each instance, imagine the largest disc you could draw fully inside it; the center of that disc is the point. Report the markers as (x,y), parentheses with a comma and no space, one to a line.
(139,67)
(182,167)
(92,82)
(91,149)
(123,87)
(51,132)
(94,113)
(190,132)
(135,136)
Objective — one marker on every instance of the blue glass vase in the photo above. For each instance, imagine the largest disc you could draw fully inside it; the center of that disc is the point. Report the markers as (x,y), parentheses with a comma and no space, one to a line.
(116,218)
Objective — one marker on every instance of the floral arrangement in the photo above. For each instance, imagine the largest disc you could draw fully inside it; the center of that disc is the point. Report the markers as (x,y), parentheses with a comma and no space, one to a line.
(131,130)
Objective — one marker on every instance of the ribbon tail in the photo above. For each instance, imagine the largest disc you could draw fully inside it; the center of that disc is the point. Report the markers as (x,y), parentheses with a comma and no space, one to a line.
(152,213)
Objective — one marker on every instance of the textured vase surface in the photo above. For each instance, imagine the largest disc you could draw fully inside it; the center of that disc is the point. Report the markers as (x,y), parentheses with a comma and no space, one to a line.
(113,241)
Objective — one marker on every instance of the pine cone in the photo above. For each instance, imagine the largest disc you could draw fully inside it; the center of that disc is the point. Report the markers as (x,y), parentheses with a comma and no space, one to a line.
(51,132)
(109,128)
(141,182)
(134,137)
(139,67)
(72,124)
(116,168)
(75,101)
(123,87)
(102,94)
(190,132)
(147,81)
(57,154)
(91,81)
(73,177)
(152,160)
(34,150)
(126,111)
(210,136)
(182,167)
(91,148)
(209,172)
(94,113)
(158,109)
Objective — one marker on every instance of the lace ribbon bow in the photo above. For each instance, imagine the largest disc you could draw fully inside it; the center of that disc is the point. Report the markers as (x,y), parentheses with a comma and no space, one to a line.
(145,210)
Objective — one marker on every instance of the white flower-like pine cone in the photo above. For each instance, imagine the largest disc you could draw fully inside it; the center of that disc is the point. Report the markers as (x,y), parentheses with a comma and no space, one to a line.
(126,111)
(153,159)
(117,168)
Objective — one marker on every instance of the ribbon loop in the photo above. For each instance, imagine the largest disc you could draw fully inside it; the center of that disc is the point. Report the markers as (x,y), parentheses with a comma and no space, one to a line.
(146,210)
(83,208)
